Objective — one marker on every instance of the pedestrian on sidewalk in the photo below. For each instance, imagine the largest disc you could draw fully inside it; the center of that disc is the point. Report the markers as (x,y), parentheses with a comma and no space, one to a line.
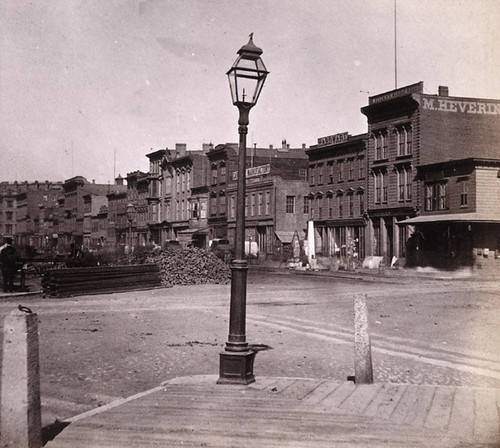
(8,260)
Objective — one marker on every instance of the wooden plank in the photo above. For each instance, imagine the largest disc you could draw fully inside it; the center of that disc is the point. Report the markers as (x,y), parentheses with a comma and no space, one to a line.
(339,395)
(486,421)
(418,413)
(461,424)
(323,390)
(404,400)
(359,400)
(439,413)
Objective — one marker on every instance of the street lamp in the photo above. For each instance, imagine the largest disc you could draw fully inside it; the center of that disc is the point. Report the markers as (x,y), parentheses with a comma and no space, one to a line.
(130,219)
(246,79)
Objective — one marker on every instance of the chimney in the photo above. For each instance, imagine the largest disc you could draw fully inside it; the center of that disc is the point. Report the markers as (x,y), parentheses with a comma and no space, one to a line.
(303,146)
(180,149)
(207,147)
(270,146)
(443,91)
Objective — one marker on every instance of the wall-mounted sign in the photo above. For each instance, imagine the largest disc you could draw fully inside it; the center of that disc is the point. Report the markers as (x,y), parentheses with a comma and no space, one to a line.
(464,107)
(254,171)
(333,139)
(414,88)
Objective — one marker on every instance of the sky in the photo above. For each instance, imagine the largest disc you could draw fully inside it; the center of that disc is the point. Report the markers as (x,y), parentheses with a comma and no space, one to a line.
(89,87)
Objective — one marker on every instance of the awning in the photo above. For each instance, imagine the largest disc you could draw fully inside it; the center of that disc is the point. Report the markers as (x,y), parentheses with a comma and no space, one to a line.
(194,231)
(287,237)
(453,217)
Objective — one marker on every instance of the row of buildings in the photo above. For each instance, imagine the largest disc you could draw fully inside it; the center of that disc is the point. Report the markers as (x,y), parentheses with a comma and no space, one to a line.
(422,184)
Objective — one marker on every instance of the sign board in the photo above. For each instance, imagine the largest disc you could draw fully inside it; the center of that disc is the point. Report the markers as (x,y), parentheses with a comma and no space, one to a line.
(254,171)
(333,139)
(414,88)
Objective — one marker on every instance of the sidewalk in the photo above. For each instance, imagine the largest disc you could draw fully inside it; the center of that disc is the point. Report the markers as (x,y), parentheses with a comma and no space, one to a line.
(385,275)
(290,412)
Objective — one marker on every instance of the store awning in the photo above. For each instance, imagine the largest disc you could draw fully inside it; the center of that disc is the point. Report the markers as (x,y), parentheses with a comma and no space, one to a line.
(453,217)
(204,230)
(287,237)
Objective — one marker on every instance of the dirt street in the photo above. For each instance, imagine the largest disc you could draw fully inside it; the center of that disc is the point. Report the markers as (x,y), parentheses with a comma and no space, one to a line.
(95,349)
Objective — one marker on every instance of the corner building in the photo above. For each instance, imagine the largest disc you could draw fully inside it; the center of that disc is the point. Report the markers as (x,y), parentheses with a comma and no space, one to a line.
(427,157)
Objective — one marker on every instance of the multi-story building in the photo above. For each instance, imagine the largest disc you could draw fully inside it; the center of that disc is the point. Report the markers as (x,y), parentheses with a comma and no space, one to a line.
(337,197)
(117,215)
(155,198)
(137,195)
(275,190)
(423,179)
(74,208)
(21,216)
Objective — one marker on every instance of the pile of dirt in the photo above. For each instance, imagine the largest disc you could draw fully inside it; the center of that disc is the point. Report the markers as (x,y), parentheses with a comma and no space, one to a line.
(189,266)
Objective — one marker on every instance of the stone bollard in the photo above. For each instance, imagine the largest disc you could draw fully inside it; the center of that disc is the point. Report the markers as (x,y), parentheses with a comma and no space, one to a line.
(20,416)
(363,371)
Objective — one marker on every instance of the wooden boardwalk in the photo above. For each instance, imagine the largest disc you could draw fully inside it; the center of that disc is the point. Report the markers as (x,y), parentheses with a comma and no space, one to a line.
(290,412)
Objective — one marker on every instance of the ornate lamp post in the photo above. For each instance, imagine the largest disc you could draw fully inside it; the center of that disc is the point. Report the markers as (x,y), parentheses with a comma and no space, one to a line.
(246,79)
(130,219)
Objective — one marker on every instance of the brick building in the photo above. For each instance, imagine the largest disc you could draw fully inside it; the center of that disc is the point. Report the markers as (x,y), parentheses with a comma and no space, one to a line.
(433,172)
(275,189)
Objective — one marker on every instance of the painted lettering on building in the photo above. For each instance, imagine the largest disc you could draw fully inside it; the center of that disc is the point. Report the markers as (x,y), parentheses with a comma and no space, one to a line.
(254,171)
(333,139)
(463,107)
(414,88)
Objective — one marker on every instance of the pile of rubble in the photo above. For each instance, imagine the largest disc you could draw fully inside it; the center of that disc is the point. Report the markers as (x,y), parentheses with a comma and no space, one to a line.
(189,266)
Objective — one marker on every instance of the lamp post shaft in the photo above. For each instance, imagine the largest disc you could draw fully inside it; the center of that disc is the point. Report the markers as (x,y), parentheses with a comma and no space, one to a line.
(236,362)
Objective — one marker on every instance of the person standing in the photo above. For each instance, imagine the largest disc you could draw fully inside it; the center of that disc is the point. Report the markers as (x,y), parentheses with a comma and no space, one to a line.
(8,259)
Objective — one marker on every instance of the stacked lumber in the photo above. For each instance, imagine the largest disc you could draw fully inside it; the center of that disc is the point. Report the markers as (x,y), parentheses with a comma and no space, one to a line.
(190,266)
(91,280)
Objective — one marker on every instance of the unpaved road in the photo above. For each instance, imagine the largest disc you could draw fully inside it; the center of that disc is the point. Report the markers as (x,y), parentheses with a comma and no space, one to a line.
(95,349)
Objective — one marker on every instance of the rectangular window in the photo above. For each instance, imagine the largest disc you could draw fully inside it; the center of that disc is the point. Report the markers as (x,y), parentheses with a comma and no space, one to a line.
(306,205)
(341,171)
(302,173)
(311,175)
(268,203)
(340,204)
(404,134)
(290,204)
(214,174)
(442,196)
(361,204)
(350,204)
(252,204)
(330,207)
(222,205)
(435,197)
(401,185)
(259,205)
(223,173)
(194,210)
(320,174)
(464,194)
(331,173)
(381,141)
(384,188)
(361,168)
(232,204)
(351,169)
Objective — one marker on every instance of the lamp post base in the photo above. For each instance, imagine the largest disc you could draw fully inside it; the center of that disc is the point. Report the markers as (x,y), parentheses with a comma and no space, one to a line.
(236,367)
